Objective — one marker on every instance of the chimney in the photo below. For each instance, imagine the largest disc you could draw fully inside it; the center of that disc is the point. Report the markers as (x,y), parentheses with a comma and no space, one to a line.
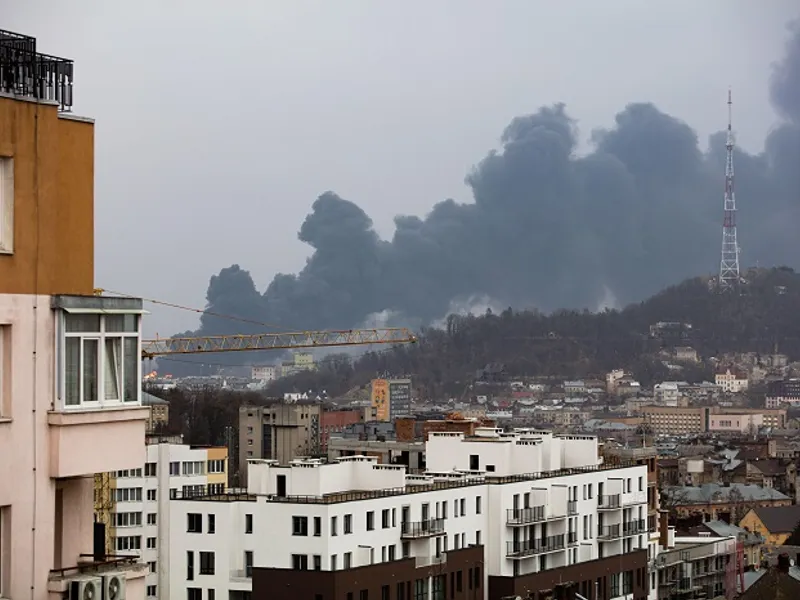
(784,563)
(663,539)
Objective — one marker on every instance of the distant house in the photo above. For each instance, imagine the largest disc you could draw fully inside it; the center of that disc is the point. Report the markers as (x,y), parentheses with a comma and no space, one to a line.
(731,380)
(774,523)
(685,354)
(729,502)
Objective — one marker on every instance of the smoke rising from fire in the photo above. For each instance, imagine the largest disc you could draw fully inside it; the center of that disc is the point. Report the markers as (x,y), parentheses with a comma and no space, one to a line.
(547,228)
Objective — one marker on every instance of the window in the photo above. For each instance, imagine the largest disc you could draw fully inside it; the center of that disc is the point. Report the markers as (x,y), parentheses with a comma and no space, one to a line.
(126,519)
(370,520)
(150,469)
(385,592)
(392,552)
(333,562)
(477,505)
(248,523)
(216,466)
(385,516)
(174,468)
(6,205)
(206,563)
(348,560)
(151,518)
(248,563)
(151,566)
(151,543)
(348,524)
(189,565)
(128,542)
(194,523)
(212,523)
(128,494)
(477,538)
(421,589)
(212,594)
(299,525)
(194,594)
(317,562)
(5,370)
(195,467)
(363,595)
(333,526)
(152,591)
(299,562)
(641,484)
(101,359)
(463,507)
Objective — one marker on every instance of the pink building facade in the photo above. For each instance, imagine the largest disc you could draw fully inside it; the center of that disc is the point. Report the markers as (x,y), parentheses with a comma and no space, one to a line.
(735,423)
(70,399)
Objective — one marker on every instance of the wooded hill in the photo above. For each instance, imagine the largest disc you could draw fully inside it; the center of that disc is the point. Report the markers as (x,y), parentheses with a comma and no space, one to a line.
(573,344)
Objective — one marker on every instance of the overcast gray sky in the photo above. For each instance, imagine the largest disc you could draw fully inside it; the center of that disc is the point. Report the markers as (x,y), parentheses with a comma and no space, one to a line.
(218,124)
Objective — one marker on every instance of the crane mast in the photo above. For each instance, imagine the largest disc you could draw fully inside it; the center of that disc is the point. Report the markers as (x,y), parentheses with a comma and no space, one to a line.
(276,341)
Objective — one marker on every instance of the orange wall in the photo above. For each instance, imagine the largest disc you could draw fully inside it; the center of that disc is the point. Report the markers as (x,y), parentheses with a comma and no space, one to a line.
(62,163)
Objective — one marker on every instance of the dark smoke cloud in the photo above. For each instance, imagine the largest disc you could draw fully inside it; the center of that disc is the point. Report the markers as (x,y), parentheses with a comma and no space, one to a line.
(547,228)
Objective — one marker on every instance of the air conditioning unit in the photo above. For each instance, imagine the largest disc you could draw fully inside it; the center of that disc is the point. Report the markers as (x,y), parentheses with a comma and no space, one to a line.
(85,588)
(114,586)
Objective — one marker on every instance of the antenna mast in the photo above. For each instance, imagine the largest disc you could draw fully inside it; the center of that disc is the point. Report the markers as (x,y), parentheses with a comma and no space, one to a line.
(729,264)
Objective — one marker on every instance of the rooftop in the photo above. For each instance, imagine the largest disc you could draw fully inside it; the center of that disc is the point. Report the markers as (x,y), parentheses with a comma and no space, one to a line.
(29,74)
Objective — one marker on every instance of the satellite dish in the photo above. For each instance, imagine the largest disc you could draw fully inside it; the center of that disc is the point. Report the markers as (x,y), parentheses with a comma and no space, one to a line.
(791,562)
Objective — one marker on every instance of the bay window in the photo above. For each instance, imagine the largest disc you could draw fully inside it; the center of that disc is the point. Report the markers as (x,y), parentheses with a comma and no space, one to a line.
(101,359)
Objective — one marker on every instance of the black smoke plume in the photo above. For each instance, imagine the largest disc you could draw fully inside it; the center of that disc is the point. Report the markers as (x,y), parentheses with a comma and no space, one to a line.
(547,229)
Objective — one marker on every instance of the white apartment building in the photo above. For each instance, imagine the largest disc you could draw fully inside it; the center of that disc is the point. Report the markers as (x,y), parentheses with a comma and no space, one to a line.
(139,515)
(498,512)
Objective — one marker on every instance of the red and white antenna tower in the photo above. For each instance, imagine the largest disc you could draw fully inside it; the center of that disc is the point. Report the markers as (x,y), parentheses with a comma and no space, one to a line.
(729,265)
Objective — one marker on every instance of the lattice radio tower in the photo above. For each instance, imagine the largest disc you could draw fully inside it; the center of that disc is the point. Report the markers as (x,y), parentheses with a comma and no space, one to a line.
(729,265)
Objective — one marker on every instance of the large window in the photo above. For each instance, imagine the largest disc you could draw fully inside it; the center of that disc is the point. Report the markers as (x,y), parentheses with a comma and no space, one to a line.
(101,359)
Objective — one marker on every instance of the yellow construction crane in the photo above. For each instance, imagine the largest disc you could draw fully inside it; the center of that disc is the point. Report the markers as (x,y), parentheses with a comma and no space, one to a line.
(276,341)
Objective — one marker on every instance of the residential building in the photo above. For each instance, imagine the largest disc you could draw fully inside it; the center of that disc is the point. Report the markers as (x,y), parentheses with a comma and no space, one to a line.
(784,391)
(728,502)
(334,422)
(780,581)
(733,423)
(503,513)
(731,380)
(685,354)
(667,392)
(138,515)
(751,543)
(158,412)
(695,567)
(70,402)
(774,523)
(391,398)
(281,431)
(263,372)
(387,452)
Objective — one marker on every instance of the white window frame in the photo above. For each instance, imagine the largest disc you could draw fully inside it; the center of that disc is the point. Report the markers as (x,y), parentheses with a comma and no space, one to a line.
(101,336)
(6,205)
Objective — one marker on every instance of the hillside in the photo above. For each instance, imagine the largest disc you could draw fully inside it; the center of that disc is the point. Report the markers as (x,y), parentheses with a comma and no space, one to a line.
(576,344)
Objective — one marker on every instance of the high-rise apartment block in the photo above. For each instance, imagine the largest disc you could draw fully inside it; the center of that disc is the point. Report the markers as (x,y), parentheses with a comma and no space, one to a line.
(70,397)
(280,432)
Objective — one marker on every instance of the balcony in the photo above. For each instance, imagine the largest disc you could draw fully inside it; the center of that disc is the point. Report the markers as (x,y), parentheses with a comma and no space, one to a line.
(97,386)
(430,561)
(59,579)
(525,548)
(421,529)
(635,498)
(609,532)
(634,527)
(524,516)
(572,538)
(609,502)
